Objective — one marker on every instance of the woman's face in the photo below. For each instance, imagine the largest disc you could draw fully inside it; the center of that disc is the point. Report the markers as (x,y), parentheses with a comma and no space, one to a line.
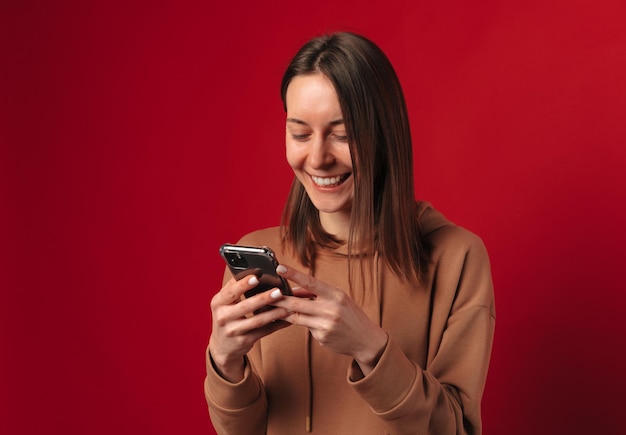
(317,143)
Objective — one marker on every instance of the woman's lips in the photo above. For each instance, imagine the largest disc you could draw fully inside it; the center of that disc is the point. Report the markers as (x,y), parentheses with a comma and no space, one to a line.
(330,181)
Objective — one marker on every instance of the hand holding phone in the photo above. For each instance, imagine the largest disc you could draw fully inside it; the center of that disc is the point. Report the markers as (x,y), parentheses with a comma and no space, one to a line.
(234,331)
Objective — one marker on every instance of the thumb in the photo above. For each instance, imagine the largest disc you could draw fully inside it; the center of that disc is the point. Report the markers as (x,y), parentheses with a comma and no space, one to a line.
(300,292)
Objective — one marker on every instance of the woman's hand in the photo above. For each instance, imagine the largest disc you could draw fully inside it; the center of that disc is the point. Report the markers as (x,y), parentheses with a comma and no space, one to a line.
(235,329)
(333,318)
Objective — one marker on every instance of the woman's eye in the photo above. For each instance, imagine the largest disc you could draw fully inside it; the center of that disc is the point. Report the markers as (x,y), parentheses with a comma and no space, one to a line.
(299,137)
(341,137)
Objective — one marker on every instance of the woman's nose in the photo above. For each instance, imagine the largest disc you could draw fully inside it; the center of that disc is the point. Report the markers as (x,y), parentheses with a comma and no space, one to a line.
(320,154)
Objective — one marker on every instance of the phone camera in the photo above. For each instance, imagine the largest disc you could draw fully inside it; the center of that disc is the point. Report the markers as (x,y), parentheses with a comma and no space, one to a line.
(236,260)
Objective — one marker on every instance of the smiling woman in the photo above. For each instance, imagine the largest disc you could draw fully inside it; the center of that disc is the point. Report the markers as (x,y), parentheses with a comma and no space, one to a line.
(412,328)
(354,71)
(317,149)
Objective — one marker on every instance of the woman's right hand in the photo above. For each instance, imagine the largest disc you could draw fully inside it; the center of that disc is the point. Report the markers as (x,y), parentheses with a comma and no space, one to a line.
(235,329)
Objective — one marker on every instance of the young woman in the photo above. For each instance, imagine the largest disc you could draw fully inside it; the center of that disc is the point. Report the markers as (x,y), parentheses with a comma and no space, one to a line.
(391,326)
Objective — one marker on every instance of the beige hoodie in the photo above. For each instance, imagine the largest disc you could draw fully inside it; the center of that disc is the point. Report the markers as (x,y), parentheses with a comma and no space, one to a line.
(430,377)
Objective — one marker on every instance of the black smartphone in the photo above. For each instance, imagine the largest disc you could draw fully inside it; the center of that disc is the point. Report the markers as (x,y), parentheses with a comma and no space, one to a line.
(255,260)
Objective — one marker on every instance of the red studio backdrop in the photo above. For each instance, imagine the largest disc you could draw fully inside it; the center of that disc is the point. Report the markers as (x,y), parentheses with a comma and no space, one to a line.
(136,137)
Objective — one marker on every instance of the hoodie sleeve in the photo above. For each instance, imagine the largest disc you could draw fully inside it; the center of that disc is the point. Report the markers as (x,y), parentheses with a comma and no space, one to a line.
(239,408)
(235,408)
(444,396)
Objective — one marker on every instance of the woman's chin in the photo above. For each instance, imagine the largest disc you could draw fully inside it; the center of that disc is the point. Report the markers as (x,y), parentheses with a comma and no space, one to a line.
(333,207)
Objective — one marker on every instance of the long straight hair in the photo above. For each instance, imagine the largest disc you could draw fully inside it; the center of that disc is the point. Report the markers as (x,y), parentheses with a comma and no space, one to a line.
(384,213)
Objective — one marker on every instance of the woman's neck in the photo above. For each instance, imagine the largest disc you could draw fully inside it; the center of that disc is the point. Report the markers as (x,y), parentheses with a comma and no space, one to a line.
(336,224)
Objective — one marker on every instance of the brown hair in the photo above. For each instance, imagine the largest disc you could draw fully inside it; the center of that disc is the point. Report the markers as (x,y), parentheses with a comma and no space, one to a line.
(384,215)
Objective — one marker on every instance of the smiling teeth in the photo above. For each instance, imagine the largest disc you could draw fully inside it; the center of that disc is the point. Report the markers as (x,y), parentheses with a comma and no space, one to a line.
(328,181)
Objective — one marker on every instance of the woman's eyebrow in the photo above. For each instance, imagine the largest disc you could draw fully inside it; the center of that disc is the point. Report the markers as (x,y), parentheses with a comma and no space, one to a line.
(331,123)
(296,121)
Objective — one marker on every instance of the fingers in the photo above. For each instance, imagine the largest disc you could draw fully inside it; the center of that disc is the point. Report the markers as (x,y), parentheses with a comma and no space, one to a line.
(302,293)
(234,327)
(227,304)
(304,280)
(306,307)
(314,301)
(257,326)
(231,341)
(233,290)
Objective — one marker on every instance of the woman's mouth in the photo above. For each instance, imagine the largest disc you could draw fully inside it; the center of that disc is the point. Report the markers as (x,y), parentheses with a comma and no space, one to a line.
(330,181)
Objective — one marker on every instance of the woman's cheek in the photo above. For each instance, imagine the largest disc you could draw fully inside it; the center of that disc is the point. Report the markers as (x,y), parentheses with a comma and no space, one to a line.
(293,157)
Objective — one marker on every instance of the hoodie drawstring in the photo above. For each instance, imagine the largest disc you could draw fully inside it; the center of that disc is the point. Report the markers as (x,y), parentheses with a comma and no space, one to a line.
(309,383)
(375,313)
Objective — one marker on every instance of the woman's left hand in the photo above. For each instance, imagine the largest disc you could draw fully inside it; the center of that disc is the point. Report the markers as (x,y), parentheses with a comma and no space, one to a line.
(333,318)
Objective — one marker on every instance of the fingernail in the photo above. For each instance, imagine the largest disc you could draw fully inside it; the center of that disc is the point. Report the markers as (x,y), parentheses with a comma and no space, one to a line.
(281,269)
(253,280)
(276,294)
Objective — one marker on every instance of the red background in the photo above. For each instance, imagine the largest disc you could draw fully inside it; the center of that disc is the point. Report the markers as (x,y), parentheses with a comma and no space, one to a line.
(136,138)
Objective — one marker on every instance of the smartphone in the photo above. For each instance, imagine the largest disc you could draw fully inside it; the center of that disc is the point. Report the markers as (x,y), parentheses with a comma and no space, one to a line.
(255,260)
